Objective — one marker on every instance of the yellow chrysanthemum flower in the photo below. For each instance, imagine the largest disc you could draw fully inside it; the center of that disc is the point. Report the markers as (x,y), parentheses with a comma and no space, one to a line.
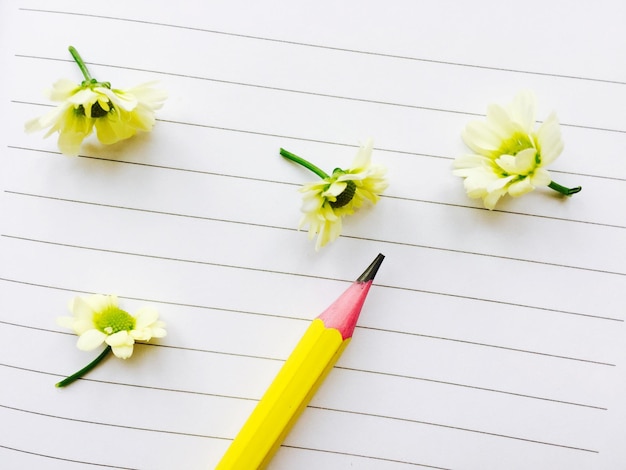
(510,156)
(98,320)
(115,114)
(327,201)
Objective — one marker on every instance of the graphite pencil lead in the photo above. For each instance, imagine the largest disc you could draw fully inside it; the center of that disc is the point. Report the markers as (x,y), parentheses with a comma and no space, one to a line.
(372,269)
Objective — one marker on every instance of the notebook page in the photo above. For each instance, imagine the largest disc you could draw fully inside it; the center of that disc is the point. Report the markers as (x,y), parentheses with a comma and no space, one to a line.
(490,339)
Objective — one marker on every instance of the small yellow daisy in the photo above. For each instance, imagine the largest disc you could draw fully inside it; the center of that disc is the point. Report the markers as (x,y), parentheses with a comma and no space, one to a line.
(115,114)
(98,320)
(327,201)
(510,155)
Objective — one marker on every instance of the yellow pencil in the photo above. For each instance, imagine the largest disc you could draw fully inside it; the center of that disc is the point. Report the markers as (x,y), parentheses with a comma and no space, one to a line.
(299,378)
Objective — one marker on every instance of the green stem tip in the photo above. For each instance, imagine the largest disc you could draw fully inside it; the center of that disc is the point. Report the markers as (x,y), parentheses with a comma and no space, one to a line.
(301,161)
(81,63)
(563,190)
(85,369)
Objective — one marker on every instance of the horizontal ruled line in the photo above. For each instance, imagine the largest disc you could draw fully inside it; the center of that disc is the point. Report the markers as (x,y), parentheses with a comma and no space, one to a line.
(334,410)
(168,258)
(426,423)
(262,180)
(163,302)
(525,214)
(474,387)
(63,459)
(276,359)
(380,285)
(501,302)
(303,139)
(313,93)
(272,88)
(100,423)
(327,47)
(400,243)
(46,415)
(495,346)
(379,459)
(144,387)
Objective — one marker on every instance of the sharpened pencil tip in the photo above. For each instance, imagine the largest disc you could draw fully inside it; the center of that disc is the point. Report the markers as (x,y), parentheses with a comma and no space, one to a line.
(372,269)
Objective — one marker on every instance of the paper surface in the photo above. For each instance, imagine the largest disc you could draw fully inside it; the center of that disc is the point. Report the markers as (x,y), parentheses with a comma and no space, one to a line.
(490,340)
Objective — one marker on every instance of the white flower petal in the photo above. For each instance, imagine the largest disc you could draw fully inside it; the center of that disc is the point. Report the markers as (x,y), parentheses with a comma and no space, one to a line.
(522,110)
(498,184)
(549,140)
(363,156)
(119,98)
(145,317)
(90,339)
(508,163)
(158,330)
(526,161)
(81,309)
(120,338)
(478,182)
(311,204)
(85,97)
(521,187)
(491,199)
(469,161)
(123,351)
(335,189)
(480,138)
(499,121)
(522,164)
(47,120)
(148,95)
(62,90)
(541,177)
(100,302)
(144,334)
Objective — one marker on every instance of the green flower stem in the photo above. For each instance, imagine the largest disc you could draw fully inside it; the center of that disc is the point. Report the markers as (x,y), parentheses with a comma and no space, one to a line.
(563,190)
(301,161)
(81,64)
(85,369)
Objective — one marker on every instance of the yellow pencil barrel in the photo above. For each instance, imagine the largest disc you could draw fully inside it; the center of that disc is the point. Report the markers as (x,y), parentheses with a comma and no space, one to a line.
(287,396)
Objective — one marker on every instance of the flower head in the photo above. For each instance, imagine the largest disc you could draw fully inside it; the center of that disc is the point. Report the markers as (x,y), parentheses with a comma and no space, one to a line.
(98,320)
(327,201)
(510,155)
(115,114)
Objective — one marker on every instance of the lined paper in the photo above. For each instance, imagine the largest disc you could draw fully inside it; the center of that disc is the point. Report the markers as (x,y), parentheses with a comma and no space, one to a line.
(490,339)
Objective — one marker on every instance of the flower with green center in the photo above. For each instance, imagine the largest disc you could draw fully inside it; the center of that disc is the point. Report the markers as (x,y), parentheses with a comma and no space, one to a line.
(97,319)
(115,114)
(325,202)
(510,155)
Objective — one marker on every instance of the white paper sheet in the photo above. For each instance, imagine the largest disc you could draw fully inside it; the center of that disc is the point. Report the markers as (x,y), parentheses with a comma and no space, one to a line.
(490,340)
